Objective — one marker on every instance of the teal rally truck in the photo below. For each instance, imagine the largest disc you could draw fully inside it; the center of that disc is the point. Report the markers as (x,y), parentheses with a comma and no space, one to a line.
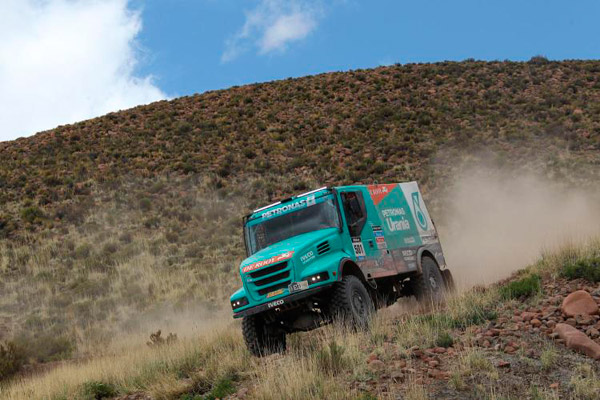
(337,252)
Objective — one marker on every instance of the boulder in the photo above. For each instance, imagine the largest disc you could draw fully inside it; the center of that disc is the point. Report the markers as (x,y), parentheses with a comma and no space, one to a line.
(579,303)
(577,340)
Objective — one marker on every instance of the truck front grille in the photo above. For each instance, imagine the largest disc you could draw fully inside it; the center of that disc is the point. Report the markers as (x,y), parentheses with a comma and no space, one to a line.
(269,279)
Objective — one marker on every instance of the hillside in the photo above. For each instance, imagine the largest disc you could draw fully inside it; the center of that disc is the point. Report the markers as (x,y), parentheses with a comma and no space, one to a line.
(111,225)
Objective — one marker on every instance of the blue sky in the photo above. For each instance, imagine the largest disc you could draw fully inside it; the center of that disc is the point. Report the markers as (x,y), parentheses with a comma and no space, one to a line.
(63,61)
(186,38)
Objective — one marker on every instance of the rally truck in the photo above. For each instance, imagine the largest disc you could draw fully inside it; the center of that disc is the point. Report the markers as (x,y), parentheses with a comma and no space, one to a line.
(331,253)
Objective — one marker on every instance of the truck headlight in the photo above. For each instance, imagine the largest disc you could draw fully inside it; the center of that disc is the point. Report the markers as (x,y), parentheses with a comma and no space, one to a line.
(316,278)
(239,303)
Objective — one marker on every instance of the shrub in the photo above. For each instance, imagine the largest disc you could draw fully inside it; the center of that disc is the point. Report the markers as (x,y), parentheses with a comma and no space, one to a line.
(444,339)
(524,287)
(31,214)
(12,357)
(98,390)
(156,340)
(588,268)
(145,204)
(331,359)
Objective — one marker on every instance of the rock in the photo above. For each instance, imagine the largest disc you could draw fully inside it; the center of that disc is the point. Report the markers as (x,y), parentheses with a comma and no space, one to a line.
(579,303)
(554,385)
(536,323)
(503,364)
(509,349)
(439,350)
(372,357)
(578,341)
(376,365)
(592,332)
(527,316)
(397,376)
(241,394)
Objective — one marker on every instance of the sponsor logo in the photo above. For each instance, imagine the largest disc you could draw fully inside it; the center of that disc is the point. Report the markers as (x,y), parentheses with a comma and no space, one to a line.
(421,220)
(307,202)
(393,212)
(409,240)
(275,303)
(378,192)
(275,293)
(407,253)
(307,257)
(275,259)
(397,225)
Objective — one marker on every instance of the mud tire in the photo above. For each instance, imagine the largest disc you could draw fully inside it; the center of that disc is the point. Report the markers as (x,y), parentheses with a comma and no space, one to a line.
(429,287)
(260,340)
(448,281)
(351,303)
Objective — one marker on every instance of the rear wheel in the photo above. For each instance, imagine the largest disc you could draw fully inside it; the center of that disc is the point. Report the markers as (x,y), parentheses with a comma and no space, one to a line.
(261,340)
(429,286)
(448,281)
(351,302)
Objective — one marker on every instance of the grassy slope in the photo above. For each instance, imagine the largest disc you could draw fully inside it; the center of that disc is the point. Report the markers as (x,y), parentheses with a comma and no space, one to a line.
(331,362)
(115,217)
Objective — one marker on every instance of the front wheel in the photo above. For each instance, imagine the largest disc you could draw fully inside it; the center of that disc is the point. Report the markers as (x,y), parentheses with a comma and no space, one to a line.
(262,340)
(351,302)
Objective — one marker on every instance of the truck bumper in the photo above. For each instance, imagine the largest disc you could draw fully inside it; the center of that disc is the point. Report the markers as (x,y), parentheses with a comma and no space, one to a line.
(283,304)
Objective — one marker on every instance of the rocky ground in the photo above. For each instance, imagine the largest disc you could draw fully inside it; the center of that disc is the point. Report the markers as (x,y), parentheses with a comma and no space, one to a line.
(523,347)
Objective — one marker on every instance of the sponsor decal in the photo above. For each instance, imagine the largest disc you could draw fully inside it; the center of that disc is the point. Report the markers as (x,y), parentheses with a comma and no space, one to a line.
(379,238)
(275,293)
(409,240)
(263,263)
(393,212)
(378,192)
(275,303)
(303,203)
(359,249)
(407,253)
(395,225)
(307,257)
(421,219)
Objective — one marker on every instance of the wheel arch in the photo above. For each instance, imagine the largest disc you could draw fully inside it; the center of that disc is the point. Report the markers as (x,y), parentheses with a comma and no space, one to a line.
(424,252)
(349,267)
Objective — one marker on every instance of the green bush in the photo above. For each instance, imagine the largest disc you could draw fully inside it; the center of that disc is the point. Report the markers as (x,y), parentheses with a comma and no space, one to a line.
(524,287)
(31,214)
(12,357)
(444,339)
(588,268)
(98,390)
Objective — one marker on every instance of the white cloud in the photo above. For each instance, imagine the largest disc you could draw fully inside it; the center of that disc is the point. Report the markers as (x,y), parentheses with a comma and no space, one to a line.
(272,25)
(63,61)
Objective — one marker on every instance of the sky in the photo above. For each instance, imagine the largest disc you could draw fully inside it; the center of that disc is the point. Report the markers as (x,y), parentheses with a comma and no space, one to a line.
(63,61)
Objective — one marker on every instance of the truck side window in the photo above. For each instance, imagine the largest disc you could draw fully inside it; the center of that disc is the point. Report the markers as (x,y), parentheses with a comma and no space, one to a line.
(354,209)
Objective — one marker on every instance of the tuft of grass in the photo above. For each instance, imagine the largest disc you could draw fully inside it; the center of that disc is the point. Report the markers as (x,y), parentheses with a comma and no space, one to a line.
(524,287)
(585,383)
(586,268)
(331,359)
(444,339)
(548,358)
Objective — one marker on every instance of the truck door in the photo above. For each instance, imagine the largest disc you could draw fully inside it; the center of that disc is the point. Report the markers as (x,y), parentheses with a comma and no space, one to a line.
(361,234)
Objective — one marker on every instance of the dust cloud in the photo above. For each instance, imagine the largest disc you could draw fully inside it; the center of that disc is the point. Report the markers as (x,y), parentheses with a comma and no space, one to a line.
(498,221)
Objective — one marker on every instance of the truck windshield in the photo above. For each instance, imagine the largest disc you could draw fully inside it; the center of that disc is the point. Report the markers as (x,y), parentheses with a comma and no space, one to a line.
(318,216)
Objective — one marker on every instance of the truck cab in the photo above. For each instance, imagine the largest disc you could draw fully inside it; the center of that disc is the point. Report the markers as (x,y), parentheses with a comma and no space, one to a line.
(332,253)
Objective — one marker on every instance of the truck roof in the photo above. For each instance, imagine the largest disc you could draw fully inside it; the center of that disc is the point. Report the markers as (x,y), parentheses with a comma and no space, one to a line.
(317,192)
